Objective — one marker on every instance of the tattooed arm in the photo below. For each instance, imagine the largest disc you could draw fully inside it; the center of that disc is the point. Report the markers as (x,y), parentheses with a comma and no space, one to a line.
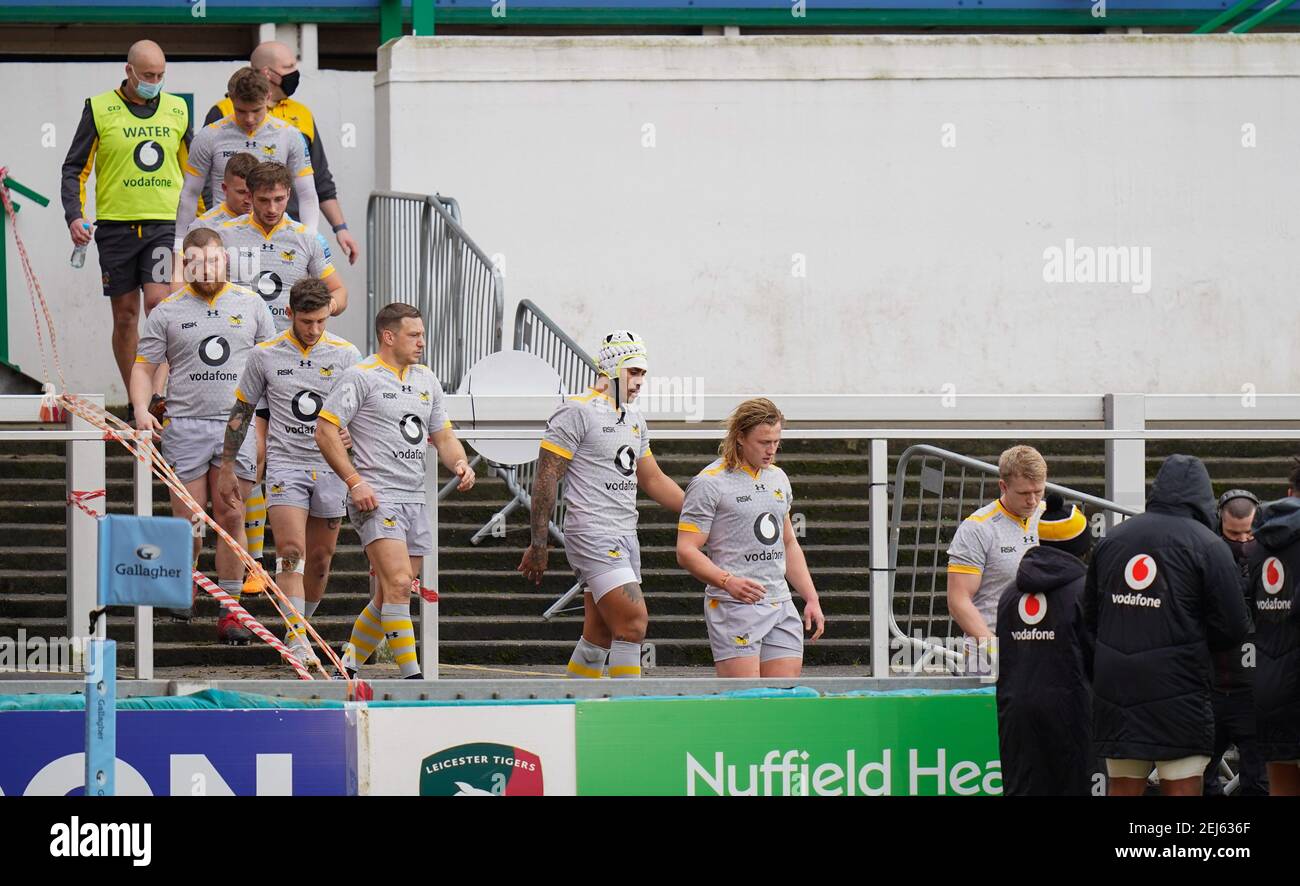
(550,468)
(241,416)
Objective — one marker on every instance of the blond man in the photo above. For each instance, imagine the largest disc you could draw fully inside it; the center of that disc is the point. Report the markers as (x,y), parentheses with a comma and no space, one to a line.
(986,550)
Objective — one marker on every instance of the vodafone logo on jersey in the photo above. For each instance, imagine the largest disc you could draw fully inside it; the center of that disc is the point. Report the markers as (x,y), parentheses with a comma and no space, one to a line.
(1273,576)
(1140,572)
(1033,608)
(148,155)
(305,406)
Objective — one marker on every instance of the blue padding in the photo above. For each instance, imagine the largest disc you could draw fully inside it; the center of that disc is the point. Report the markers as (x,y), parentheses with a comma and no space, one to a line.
(145,561)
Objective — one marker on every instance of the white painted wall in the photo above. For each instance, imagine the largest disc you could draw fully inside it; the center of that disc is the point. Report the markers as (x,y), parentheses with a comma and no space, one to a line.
(925,263)
(38,94)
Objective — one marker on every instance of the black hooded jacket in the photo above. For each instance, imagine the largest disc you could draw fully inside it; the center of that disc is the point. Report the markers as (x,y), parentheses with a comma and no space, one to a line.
(1044,669)
(1271,594)
(1158,585)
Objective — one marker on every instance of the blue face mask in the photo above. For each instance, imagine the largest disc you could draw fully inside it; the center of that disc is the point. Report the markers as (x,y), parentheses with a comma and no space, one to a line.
(146,91)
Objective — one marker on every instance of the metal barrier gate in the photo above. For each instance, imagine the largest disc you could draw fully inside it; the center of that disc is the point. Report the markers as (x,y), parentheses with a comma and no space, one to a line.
(420,255)
(930,522)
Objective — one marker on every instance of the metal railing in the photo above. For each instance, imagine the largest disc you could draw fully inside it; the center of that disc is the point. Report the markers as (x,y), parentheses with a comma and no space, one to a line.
(931,525)
(420,255)
(536,333)
(1124,431)
(86,470)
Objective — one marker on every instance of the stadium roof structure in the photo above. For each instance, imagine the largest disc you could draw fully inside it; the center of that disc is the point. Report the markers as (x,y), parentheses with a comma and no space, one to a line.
(1199,16)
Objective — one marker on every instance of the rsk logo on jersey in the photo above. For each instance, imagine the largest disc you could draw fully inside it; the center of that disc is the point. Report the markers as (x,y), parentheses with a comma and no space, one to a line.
(412,428)
(1274,575)
(305,406)
(1140,572)
(767,529)
(214,350)
(1033,608)
(148,156)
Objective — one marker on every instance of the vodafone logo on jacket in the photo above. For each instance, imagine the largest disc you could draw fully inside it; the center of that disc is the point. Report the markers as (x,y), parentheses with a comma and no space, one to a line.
(1140,572)
(1033,607)
(1274,576)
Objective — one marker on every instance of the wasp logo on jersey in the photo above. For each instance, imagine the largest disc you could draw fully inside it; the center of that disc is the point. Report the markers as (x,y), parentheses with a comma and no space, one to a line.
(741,639)
(327,371)
(778,495)
(268,150)
(277,488)
(288,255)
(424,396)
(613,552)
(389,522)
(236,319)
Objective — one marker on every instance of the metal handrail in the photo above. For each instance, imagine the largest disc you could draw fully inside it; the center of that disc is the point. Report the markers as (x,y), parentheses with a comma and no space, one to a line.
(896,527)
(425,258)
(538,334)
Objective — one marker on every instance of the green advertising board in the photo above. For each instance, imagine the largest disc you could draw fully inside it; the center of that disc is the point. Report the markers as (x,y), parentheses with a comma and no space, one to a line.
(856,746)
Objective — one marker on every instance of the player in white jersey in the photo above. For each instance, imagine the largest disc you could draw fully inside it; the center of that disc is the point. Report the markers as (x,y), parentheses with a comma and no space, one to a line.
(295,372)
(236,200)
(204,333)
(271,251)
(250,128)
(599,443)
(739,507)
(985,552)
(392,407)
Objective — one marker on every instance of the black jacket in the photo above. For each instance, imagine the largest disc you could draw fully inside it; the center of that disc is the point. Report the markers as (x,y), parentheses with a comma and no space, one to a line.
(1158,584)
(1044,668)
(1274,574)
(1232,671)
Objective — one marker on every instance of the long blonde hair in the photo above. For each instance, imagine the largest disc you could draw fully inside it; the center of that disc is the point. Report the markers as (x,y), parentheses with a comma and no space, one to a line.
(746,417)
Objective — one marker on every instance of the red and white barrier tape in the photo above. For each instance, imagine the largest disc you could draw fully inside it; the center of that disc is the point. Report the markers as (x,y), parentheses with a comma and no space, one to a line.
(241,615)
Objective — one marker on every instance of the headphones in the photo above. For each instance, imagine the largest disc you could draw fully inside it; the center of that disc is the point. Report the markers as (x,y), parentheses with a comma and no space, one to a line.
(1237,493)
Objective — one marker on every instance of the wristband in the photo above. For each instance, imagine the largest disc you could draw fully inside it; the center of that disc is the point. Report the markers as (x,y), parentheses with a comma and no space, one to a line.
(348,482)
(726,577)
(341,226)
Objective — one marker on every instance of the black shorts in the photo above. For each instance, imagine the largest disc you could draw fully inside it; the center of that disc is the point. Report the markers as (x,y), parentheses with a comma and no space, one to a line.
(134,253)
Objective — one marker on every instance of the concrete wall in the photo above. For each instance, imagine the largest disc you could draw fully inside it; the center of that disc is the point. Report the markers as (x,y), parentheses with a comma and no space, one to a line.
(38,96)
(681,186)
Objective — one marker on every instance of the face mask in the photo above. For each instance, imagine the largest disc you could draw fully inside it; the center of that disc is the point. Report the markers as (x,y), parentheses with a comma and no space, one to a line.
(1238,549)
(289,83)
(146,91)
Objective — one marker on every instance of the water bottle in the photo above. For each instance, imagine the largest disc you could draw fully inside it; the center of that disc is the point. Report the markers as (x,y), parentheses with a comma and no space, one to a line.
(79,253)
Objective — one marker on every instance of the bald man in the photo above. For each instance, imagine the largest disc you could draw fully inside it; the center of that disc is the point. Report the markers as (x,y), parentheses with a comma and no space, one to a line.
(278,62)
(135,138)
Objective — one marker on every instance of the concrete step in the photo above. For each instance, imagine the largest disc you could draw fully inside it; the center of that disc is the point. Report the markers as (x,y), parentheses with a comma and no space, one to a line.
(668,653)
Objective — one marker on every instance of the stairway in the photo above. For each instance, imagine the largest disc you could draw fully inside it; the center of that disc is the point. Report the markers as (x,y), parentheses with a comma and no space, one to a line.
(489,615)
